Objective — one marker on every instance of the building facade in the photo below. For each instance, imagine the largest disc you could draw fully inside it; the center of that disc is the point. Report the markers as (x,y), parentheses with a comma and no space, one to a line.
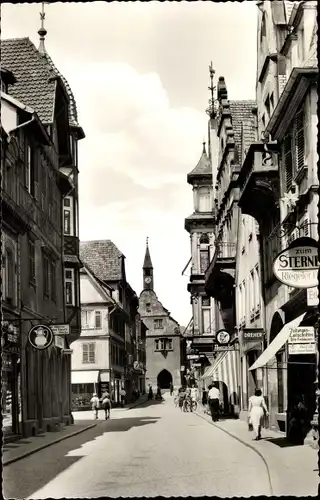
(200,225)
(279,188)
(36,115)
(163,342)
(232,123)
(124,360)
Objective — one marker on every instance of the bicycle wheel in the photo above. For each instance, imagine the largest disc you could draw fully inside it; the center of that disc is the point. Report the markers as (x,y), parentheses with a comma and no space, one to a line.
(194,405)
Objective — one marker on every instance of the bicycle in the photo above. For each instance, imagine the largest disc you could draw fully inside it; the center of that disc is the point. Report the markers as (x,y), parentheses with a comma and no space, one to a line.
(189,405)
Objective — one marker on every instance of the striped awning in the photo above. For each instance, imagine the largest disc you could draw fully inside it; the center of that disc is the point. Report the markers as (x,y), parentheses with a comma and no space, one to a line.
(213,368)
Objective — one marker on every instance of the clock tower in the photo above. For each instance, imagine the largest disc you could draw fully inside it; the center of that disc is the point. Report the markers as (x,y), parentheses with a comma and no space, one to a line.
(147,271)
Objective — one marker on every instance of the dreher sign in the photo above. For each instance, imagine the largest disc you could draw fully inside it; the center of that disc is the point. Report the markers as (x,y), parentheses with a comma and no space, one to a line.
(297,266)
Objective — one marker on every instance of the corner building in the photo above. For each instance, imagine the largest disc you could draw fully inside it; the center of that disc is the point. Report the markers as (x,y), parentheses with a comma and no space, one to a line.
(164,340)
(279,188)
(41,122)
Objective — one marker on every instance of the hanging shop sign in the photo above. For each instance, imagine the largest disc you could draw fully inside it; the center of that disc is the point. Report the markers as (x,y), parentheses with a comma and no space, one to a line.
(301,335)
(312,297)
(40,337)
(223,337)
(225,348)
(10,338)
(59,341)
(252,335)
(298,265)
(302,349)
(60,329)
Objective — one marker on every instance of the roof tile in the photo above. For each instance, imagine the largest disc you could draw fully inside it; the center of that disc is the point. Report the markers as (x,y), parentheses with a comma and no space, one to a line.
(33,71)
(104,258)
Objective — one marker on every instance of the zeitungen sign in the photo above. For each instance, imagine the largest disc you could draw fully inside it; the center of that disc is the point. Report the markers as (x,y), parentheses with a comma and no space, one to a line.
(297,267)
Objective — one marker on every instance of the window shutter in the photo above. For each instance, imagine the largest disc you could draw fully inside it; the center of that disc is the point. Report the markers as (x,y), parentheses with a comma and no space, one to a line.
(288,167)
(299,139)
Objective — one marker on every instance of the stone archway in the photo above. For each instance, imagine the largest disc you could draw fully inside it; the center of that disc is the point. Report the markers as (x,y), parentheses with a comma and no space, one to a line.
(164,379)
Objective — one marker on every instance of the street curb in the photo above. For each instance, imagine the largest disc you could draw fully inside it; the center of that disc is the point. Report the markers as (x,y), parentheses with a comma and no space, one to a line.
(42,447)
(138,404)
(246,444)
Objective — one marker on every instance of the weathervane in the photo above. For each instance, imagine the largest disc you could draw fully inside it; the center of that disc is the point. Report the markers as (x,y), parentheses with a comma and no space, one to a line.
(42,31)
(211,111)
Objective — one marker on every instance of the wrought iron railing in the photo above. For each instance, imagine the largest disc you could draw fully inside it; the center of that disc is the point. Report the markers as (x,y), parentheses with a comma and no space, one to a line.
(225,250)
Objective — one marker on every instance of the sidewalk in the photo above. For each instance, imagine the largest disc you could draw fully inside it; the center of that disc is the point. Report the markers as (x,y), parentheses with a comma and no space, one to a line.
(293,470)
(11,452)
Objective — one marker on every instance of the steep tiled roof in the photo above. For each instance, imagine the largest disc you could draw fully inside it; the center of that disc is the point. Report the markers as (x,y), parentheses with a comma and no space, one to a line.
(104,258)
(33,71)
(203,167)
(241,111)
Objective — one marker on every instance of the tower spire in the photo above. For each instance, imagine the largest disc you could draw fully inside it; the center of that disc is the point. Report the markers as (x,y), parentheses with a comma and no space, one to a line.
(42,31)
(210,110)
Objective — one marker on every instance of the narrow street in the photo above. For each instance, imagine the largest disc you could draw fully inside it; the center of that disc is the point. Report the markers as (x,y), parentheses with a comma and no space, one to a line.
(151,450)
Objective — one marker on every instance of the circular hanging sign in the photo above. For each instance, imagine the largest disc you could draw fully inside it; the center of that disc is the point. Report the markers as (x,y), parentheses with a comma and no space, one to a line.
(40,337)
(223,337)
(297,266)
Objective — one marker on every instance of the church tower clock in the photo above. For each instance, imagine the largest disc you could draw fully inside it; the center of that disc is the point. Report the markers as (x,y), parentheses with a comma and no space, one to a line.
(147,271)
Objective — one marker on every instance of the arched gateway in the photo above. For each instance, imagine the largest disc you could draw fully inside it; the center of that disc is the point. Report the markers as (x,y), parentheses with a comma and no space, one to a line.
(164,379)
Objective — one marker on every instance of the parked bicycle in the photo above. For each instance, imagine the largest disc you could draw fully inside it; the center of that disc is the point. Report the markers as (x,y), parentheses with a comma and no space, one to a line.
(189,405)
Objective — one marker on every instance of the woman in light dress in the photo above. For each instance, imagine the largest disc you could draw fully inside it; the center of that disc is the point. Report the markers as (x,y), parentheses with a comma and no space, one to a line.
(257,408)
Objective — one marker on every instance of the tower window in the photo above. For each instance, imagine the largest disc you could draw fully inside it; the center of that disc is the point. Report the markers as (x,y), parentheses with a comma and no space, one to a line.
(147,272)
(148,307)
(158,323)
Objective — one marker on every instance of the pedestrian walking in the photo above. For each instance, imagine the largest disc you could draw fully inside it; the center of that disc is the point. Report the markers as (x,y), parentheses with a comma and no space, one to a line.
(182,395)
(214,399)
(150,393)
(171,388)
(106,405)
(257,408)
(123,395)
(95,405)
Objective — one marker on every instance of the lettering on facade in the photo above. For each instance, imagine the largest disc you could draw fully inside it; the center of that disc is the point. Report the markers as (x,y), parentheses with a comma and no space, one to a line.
(301,349)
(297,267)
(301,335)
(252,335)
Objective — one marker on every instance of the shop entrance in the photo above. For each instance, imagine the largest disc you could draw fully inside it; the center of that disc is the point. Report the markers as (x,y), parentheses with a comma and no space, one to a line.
(301,396)
(164,379)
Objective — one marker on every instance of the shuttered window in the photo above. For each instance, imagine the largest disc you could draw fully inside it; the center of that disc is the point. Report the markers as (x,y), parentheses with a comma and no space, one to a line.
(299,139)
(294,149)
(288,166)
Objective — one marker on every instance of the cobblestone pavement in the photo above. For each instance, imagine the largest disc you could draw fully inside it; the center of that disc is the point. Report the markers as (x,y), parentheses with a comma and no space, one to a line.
(151,450)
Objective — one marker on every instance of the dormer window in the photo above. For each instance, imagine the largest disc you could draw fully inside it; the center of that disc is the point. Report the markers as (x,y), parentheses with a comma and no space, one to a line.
(4,87)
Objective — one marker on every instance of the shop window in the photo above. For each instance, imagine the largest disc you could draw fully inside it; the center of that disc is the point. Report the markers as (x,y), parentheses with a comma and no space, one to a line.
(280,381)
(9,276)
(89,353)
(158,324)
(69,287)
(98,320)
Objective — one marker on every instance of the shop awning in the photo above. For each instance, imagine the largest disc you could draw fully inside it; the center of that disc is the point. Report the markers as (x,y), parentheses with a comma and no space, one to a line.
(84,377)
(277,343)
(211,369)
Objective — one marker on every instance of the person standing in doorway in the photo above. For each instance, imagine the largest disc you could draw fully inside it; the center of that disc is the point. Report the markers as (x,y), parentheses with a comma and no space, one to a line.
(214,402)
(95,405)
(257,408)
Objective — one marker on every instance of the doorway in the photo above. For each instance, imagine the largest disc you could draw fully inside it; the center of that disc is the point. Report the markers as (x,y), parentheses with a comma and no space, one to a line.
(164,379)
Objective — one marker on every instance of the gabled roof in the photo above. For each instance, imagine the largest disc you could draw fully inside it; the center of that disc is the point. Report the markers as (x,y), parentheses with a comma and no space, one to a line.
(35,73)
(104,259)
(241,112)
(102,287)
(203,167)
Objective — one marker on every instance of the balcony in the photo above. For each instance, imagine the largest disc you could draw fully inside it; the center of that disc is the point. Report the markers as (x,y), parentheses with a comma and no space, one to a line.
(219,277)
(259,181)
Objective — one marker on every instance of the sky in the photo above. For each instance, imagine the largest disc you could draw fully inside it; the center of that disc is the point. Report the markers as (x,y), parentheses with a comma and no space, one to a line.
(139,73)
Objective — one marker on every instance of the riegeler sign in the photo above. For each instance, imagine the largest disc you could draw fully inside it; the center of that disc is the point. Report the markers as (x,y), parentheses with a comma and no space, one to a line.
(297,266)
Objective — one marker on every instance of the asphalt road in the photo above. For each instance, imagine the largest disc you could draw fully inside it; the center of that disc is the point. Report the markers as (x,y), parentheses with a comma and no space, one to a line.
(151,450)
